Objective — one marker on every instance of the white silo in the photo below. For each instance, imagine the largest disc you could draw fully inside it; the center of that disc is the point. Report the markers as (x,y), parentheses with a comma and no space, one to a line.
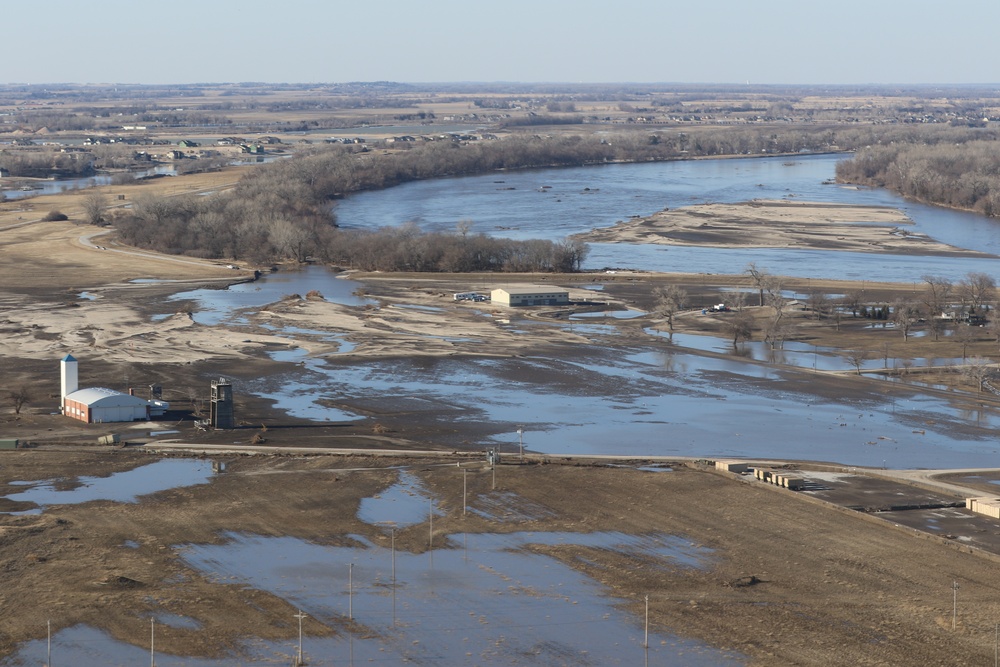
(70,378)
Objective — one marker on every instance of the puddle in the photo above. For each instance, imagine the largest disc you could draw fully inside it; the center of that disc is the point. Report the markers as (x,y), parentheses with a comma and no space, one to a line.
(176,621)
(615,314)
(485,599)
(83,646)
(87,296)
(405,503)
(123,487)
(291,332)
(214,306)
(156,433)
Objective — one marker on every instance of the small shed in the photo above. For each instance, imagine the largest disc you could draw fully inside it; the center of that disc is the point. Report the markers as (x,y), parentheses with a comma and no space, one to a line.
(530,295)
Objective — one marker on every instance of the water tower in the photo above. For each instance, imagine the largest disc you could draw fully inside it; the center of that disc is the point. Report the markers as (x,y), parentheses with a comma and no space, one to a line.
(222,404)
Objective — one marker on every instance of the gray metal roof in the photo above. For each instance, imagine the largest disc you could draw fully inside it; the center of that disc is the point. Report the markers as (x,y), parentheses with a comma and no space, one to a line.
(100,397)
(534,289)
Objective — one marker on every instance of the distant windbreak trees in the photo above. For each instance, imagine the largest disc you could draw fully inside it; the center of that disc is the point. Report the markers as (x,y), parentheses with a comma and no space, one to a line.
(284,210)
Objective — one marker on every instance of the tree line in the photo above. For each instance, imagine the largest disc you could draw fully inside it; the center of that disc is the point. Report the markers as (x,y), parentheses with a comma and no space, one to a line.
(284,209)
(961,170)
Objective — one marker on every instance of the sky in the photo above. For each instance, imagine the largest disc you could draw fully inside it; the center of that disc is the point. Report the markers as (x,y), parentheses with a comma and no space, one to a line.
(569,41)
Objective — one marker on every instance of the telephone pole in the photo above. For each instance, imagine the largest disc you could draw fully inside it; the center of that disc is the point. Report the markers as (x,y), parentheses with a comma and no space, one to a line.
(954,605)
(298,659)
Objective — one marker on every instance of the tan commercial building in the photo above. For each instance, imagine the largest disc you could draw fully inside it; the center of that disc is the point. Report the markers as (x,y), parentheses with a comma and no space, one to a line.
(531,295)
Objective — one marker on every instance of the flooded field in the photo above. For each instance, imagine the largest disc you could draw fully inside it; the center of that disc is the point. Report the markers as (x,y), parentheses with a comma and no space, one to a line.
(123,487)
(480,598)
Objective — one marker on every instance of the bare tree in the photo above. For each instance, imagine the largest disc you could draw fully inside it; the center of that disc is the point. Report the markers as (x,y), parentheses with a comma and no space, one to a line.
(818,303)
(668,301)
(903,318)
(977,290)
(19,398)
(993,326)
(979,369)
(936,294)
(94,204)
(773,297)
(776,332)
(965,335)
(463,227)
(737,300)
(852,301)
(758,278)
(740,327)
(856,358)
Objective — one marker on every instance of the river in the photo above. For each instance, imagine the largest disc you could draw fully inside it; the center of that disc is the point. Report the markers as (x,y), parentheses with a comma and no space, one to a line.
(651,400)
(555,203)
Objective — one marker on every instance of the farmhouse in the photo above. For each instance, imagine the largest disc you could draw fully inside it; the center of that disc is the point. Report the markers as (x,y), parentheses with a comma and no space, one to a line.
(530,295)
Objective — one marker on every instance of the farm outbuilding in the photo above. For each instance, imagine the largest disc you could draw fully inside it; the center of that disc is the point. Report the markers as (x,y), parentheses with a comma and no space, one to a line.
(531,295)
(98,405)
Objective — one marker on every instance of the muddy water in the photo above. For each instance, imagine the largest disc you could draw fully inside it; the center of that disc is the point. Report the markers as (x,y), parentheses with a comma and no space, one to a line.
(663,403)
(656,400)
(555,203)
(480,599)
(123,487)
(212,306)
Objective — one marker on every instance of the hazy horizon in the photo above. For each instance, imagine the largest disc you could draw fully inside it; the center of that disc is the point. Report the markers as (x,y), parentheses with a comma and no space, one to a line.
(770,42)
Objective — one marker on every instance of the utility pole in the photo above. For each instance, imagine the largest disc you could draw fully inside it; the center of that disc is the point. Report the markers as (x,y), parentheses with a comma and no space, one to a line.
(393,577)
(152,642)
(645,641)
(465,490)
(48,650)
(520,439)
(350,591)
(954,605)
(298,659)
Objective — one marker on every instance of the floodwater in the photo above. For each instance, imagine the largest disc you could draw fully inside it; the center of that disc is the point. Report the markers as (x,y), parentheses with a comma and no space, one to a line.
(214,306)
(659,402)
(657,399)
(479,599)
(122,487)
(405,503)
(51,187)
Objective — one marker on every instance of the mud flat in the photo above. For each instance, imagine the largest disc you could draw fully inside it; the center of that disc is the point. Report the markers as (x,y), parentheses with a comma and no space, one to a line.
(767,223)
